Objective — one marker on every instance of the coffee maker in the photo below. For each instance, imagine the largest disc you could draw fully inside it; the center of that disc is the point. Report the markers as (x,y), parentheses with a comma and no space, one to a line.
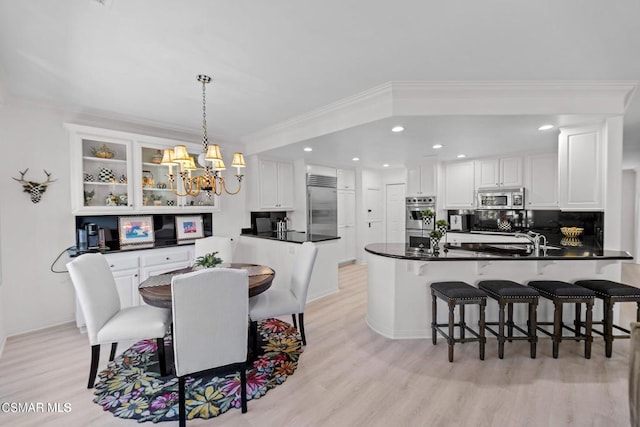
(93,236)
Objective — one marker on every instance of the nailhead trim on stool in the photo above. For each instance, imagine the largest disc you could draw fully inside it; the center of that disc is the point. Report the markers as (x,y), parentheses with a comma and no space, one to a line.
(458,293)
(507,293)
(611,292)
(560,293)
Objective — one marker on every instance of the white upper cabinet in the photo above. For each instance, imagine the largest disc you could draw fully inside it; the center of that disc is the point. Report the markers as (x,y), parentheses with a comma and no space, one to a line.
(580,168)
(541,181)
(421,180)
(346,179)
(459,185)
(499,172)
(115,172)
(275,185)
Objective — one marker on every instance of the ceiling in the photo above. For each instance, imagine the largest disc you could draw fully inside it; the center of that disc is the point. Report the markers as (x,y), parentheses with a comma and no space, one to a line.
(273,61)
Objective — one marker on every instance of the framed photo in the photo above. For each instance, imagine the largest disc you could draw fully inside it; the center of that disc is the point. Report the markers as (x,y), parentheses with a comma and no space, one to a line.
(136,231)
(189,228)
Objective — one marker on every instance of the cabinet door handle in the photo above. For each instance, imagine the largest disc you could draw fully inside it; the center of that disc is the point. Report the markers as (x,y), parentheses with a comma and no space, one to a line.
(167,258)
(111,266)
(135,275)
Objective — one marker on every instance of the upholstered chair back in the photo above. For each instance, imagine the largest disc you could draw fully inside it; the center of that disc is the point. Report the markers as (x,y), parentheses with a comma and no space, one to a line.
(96,291)
(301,275)
(220,244)
(210,319)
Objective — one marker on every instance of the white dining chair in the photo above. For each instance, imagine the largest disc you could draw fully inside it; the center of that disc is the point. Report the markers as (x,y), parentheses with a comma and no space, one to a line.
(210,309)
(279,302)
(106,321)
(222,245)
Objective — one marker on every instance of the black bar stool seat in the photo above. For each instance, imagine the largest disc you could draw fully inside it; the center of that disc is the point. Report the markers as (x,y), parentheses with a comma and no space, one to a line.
(458,294)
(567,293)
(507,292)
(611,292)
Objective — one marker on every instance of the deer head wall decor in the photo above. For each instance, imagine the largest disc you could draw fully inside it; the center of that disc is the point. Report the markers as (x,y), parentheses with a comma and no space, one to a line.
(35,189)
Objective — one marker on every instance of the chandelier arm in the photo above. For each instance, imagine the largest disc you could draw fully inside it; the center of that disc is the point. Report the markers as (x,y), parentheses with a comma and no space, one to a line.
(224,184)
(174,190)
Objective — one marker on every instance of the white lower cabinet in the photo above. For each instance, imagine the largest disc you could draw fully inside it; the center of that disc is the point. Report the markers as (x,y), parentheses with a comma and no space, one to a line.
(131,268)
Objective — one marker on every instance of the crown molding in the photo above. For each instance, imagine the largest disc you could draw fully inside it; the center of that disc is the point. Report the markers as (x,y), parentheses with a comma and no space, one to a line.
(416,98)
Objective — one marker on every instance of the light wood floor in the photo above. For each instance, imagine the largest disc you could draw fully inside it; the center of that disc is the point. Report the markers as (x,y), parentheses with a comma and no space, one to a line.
(349,375)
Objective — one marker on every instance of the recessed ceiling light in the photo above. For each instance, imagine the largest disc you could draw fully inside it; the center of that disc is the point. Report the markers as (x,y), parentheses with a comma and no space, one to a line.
(397,129)
(436,146)
(355,159)
(461,156)
(545,127)
(308,149)
(386,165)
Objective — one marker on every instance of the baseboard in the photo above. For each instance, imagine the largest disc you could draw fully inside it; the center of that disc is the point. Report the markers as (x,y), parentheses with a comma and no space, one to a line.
(40,328)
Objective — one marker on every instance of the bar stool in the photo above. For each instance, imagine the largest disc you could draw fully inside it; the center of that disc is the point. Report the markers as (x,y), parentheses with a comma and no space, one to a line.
(560,293)
(507,293)
(611,292)
(458,294)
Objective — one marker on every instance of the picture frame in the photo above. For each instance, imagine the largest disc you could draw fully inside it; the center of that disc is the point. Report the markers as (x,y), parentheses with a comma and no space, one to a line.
(189,228)
(136,231)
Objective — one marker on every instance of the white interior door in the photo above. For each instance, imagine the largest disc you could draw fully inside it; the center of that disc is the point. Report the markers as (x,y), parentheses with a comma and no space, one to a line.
(395,208)
(373,208)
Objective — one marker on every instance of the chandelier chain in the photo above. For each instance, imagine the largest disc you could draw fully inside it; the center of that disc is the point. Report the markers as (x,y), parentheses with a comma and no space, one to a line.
(205,138)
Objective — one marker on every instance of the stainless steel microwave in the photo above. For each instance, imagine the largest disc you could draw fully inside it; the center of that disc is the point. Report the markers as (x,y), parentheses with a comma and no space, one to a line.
(502,198)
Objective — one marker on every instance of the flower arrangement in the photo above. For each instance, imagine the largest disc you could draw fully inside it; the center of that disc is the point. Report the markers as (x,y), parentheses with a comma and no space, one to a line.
(427,216)
(435,236)
(208,260)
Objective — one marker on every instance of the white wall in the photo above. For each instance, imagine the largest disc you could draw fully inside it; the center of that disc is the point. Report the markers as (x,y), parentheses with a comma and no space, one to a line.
(629,212)
(32,235)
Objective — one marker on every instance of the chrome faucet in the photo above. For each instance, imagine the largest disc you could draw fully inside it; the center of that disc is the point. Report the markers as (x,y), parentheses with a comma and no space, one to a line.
(535,238)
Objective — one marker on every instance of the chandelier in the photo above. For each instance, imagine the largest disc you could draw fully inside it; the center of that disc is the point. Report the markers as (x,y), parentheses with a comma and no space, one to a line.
(211,181)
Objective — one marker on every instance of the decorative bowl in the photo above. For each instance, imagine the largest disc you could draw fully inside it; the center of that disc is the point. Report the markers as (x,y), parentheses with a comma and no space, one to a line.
(103,152)
(571,231)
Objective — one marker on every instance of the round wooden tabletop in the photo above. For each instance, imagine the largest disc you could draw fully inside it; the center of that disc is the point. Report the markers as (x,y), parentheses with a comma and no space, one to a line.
(156,290)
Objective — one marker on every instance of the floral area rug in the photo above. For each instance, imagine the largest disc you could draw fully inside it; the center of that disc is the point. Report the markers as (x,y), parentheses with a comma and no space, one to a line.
(131,386)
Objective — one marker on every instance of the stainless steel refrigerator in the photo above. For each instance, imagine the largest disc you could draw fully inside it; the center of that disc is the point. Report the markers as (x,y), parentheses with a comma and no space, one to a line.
(322,205)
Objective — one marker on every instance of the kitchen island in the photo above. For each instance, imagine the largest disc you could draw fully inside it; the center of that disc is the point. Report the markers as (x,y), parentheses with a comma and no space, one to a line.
(399,299)
(277,250)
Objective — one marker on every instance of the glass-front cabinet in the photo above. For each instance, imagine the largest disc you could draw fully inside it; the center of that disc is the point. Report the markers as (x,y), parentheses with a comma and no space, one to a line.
(117,172)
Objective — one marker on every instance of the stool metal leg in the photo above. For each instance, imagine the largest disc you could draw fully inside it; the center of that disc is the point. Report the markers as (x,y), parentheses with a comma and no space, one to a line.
(588,326)
(501,330)
(481,325)
(510,321)
(638,312)
(576,322)
(557,327)
(452,306)
(608,327)
(533,323)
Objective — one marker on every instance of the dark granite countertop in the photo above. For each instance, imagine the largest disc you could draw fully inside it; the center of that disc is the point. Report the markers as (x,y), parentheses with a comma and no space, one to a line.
(479,251)
(290,236)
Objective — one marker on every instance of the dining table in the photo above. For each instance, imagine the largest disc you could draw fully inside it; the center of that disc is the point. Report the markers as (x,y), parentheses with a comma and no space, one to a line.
(156,290)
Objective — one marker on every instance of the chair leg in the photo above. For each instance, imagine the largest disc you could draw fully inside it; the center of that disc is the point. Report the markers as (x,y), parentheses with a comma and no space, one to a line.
(451,322)
(114,347)
(533,328)
(93,370)
(588,328)
(510,321)
(578,319)
(557,327)
(182,412)
(434,318)
(501,331)
(481,327)
(243,387)
(295,322)
(608,327)
(301,318)
(462,322)
(254,338)
(161,356)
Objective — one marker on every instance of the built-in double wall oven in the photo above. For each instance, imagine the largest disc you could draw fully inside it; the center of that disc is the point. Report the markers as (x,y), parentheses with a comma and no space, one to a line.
(417,231)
